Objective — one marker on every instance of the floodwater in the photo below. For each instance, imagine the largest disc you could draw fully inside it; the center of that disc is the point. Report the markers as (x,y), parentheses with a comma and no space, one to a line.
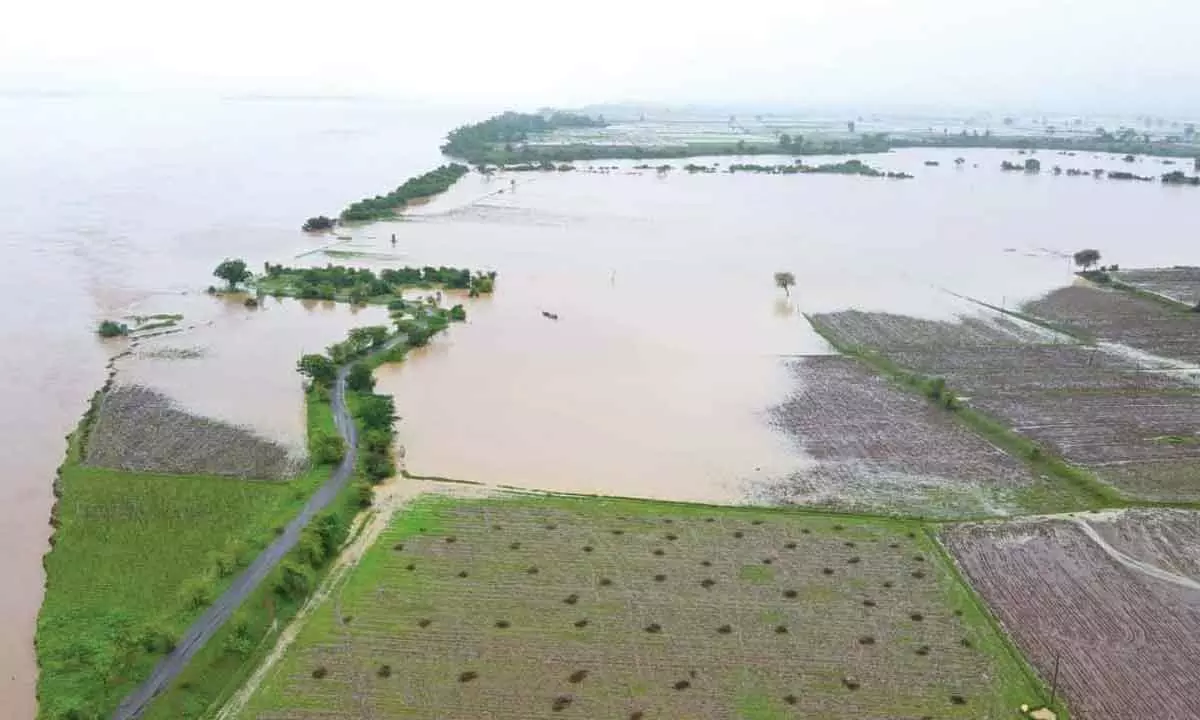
(119,205)
(656,377)
(654,380)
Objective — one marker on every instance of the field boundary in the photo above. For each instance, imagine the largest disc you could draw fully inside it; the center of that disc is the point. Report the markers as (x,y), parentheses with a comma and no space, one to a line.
(994,431)
(997,625)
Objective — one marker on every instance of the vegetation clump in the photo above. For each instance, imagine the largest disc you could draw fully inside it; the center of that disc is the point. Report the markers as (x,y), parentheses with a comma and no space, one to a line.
(319,223)
(382,207)
(111,329)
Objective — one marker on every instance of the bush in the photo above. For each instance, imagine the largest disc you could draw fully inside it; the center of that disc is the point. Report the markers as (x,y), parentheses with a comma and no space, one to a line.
(359,379)
(295,580)
(318,224)
(363,494)
(111,328)
(197,591)
(378,466)
(327,449)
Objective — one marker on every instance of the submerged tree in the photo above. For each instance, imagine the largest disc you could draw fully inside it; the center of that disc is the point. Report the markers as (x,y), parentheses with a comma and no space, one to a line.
(232,272)
(1087,258)
(784,281)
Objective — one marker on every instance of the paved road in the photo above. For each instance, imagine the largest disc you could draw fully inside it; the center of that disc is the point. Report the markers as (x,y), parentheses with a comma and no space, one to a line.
(207,624)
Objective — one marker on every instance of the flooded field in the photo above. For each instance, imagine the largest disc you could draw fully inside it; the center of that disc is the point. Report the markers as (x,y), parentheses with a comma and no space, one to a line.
(672,343)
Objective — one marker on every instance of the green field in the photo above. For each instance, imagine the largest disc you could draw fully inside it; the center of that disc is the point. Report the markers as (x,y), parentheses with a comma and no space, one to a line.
(135,558)
(578,607)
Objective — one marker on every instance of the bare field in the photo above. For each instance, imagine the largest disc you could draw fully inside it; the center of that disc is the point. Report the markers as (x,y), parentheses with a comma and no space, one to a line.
(1178,283)
(588,608)
(1128,634)
(1124,318)
(885,331)
(1132,426)
(879,447)
(140,430)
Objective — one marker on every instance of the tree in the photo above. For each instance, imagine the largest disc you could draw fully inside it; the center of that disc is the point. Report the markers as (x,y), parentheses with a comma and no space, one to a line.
(850,127)
(785,141)
(318,224)
(327,448)
(317,368)
(1087,258)
(232,272)
(1033,165)
(784,281)
(359,379)
(111,328)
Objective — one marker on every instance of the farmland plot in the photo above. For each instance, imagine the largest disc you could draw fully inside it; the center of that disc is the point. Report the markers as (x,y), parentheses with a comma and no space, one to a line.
(1134,426)
(879,447)
(589,608)
(1178,283)
(1125,318)
(887,331)
(1128,635)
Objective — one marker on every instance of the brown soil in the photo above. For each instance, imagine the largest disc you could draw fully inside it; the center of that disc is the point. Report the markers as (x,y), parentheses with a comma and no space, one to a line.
(141,430)
(1129,642)
(877,446)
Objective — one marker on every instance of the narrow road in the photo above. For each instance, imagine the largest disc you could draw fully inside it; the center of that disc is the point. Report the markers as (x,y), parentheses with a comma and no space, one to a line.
(215,616)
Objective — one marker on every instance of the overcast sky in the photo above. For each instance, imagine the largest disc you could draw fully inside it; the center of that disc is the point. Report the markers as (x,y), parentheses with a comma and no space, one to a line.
(1069,55)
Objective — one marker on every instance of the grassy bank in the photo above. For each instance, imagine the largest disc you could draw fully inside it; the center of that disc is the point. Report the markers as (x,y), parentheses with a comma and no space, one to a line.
(135,558)
(628,606)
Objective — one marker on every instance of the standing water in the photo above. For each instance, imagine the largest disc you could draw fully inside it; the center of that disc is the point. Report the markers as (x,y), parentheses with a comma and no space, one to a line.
(670,341)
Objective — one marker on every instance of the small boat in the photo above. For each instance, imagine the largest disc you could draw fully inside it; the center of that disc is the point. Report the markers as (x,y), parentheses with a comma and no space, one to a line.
(549,315)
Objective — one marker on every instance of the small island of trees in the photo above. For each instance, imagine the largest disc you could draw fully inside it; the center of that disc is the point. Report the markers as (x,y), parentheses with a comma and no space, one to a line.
(382,207)
(362,285)
(320,223)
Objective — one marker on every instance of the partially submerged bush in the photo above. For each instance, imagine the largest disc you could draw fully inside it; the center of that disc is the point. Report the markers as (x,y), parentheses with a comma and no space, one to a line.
(111,328)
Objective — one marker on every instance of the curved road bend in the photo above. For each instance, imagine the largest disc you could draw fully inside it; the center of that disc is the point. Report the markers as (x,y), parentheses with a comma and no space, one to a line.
(215,616)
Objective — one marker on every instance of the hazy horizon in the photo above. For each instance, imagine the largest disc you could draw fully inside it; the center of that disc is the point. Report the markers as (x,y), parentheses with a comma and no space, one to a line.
(1053,56)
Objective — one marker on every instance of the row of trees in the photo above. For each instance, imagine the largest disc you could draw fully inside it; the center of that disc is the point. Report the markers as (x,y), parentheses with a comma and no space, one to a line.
(382,207)
(361,284)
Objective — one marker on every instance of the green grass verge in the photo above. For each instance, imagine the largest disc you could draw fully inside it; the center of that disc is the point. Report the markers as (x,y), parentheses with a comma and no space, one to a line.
(997,642)
(1078,489)
(136,557)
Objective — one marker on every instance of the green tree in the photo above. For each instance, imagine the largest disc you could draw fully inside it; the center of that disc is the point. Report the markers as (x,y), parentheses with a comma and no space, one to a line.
(317,368)
(784,281)
(1086,258)
(111,328)
(318,224)
(360,379)
(785,141)
(327,449)
(232,272)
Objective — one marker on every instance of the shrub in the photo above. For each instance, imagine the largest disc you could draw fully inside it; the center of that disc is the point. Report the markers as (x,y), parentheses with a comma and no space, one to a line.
(327,448)
(467,676)
(318,224)
(295,580)
(111,328)
(320,672)
(458,314)
(578,676)
(197,591)
(384,671)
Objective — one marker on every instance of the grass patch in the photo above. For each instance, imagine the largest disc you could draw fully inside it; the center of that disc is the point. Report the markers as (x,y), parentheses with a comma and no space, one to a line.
(756,574)
(136,557)
(638,623)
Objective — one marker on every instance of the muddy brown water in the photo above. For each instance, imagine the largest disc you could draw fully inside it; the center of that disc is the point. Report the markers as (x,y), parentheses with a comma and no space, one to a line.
(656,379)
